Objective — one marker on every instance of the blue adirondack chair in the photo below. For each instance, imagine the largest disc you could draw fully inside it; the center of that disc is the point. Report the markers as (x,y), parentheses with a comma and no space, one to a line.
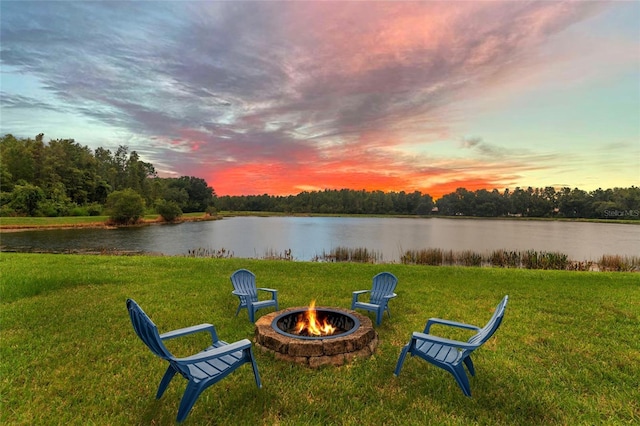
(382,290)
(201,370)
(244,286)
(448,354)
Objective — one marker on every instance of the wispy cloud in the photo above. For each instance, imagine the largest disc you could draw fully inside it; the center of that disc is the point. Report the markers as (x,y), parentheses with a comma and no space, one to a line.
(277,96)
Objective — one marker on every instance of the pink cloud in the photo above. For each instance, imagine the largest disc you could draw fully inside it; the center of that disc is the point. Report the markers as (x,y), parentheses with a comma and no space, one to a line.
(277,96)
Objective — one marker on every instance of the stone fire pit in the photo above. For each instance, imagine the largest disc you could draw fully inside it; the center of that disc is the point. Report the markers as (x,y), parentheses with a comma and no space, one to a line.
(316,351)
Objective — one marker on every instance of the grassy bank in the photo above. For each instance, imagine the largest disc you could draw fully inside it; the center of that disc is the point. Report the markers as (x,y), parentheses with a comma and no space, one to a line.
(28,223)
(567,353)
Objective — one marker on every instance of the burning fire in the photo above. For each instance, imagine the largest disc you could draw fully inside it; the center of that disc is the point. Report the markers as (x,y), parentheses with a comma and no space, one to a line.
(309,324)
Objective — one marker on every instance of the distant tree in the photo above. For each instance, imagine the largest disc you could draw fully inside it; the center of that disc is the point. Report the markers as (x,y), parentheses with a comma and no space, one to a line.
(74,181)
(520,202)
(6,179)
(137,175)
(125,207)
(107,168)
(72,165)
(180,196)
(486,204)
(169,210)
(18,158)
(627,198)
(575,203)
(120,159)
(57,201)
(26,198)
(200,195)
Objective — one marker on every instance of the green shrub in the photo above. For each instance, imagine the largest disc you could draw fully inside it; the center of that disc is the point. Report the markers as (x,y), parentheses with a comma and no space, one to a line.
(5,198)
(169,210)
(79,211)
(6,211)
(25,198)
(94,209)
(125,207)
(48,208)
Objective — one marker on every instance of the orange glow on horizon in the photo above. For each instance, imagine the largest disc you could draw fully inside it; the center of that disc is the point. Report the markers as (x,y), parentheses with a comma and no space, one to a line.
(281,180)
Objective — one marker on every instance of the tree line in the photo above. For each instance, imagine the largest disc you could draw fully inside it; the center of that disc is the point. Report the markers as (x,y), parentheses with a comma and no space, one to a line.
(617,203)
(331,201)
(64,178)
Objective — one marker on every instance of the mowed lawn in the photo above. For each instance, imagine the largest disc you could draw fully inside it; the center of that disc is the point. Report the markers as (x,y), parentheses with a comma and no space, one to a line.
(568,351)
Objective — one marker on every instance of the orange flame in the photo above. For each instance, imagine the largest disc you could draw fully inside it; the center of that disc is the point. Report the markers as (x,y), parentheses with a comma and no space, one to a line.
(309,323)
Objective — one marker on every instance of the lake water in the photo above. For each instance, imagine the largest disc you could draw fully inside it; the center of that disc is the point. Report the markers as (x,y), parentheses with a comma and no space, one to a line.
(308,237)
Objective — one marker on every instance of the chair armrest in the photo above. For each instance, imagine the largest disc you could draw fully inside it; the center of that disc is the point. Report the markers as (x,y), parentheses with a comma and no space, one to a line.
(390,296)
(440,321)
(190,330)
(240,345)
(356,294)
(267,289)
(239,293)
(443,341)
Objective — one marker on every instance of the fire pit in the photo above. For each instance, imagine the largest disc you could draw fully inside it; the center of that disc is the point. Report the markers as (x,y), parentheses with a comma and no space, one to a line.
(316,336)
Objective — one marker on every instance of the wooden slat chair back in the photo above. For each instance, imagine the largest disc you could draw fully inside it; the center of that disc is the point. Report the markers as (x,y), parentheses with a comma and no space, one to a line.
(202,369)
(382,290)
(244,287)
(452,355)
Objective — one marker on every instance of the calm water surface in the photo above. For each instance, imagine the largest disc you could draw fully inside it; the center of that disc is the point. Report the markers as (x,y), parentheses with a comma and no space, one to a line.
(307,237)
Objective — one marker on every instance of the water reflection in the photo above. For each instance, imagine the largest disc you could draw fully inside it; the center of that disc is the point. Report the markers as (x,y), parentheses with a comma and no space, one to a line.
(308,237)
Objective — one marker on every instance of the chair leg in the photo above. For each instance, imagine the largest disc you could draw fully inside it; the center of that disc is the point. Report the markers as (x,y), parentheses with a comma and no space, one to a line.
(401,358)
(191,394)
(461,377)
(469,364)
(252,313)
(166,379)
(378,316)
(255,369)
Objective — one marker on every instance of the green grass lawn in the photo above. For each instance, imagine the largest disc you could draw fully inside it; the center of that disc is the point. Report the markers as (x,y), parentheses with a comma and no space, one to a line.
(568,351)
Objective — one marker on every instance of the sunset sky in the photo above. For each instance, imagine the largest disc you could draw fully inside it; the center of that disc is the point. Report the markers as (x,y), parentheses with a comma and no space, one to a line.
(282,97)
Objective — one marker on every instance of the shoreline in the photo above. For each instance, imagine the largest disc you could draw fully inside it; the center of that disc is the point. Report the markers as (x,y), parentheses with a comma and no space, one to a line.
(101,225)
(22,227)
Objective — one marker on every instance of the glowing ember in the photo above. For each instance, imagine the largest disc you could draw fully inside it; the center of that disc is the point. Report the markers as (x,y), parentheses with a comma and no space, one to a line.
(308,323)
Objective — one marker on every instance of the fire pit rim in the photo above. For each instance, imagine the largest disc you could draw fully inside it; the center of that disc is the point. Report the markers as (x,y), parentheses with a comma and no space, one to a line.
(291,311)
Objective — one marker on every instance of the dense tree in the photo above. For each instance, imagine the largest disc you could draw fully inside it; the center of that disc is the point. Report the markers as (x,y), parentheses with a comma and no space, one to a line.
(125,207)
(18,160)
(71,176)
(62,177)
(191,193)
(169,210)
(25,198)
(575,203)
(544,202)
(72,165)
(330,201)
